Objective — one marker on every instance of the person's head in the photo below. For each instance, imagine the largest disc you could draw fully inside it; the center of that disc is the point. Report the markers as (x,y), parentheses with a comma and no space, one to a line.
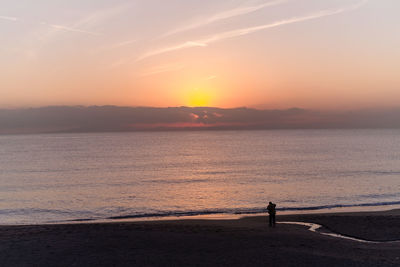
(270,203)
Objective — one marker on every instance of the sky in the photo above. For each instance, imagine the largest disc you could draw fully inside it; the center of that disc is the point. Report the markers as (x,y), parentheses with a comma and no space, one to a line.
(275,54)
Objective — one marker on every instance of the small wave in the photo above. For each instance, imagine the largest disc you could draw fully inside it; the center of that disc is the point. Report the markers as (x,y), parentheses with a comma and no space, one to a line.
(245,210)
(177,181)
(37,211)
(169,214)
(373,172)
(396,195)
(86,215)
(211,172)
(322,207)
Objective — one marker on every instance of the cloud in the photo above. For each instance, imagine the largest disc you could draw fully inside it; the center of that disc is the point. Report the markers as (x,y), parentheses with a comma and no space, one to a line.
(245,31)
(162,69)
(87,24)
(91,20)
(124,43)
(102,15)
(69,29)
(114,46)
(225,15)
(117,63)
(112,119)
(209,78)
(172,48)
(88,21)
(9,18)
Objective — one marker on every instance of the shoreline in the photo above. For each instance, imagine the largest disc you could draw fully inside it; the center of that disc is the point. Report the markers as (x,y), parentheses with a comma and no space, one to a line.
(219,215)
(247,241)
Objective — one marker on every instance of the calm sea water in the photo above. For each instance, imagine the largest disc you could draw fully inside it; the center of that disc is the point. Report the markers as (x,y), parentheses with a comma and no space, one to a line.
(61,177)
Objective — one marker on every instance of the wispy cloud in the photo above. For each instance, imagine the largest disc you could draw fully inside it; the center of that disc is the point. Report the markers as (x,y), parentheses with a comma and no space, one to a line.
(245,31)
(102,15)
(9,18)
(88,24)
(240,11)
(91,20)
(124,43)
(209,78)
(117,63)
(173,48)
(69,29)
(162,69)
(114,46)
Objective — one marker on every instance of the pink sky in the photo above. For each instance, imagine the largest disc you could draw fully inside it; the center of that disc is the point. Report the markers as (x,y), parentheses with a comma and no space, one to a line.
(339,54)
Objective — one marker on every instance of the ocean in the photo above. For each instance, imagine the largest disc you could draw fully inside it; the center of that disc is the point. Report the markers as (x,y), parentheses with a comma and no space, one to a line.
(53,178)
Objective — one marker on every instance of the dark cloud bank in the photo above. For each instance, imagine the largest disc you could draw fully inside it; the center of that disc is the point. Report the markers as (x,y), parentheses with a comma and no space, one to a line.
(113,118)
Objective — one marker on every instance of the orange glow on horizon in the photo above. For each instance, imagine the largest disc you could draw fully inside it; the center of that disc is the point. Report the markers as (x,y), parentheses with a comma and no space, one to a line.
(199,98)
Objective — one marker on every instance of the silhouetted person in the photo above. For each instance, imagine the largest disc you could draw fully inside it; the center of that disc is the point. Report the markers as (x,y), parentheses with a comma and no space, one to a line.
(271,211)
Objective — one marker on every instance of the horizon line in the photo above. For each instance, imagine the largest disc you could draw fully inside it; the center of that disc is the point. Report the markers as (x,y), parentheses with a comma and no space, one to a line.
(199,107)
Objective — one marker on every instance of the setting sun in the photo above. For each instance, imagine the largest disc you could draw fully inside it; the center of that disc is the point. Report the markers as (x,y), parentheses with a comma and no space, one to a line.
(199,98)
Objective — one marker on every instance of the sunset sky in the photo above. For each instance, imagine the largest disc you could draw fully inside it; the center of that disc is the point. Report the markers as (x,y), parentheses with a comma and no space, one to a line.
(338,54)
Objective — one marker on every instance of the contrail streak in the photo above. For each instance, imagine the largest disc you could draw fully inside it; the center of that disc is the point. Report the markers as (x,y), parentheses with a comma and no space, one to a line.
(225,15)
(173,48)
(9,18)
(69,29)
(162,69)
(245,31)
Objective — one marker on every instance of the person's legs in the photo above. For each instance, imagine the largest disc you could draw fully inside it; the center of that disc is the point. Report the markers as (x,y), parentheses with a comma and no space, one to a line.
(270,220)
(273,219)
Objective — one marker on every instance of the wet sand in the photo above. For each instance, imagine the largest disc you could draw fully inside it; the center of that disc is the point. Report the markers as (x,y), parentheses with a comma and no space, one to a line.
(243,242)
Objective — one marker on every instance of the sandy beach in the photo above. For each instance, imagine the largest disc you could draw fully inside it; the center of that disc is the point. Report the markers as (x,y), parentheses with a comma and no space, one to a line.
(244,242)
